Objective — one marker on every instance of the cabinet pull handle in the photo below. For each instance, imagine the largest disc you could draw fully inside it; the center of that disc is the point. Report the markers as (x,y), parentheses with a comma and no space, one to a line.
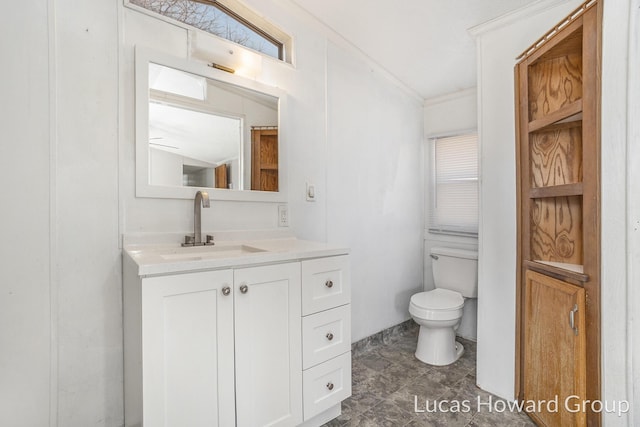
(244,289)
(226,291)
(572,320)
(329,336)
(328,284)
(330,386)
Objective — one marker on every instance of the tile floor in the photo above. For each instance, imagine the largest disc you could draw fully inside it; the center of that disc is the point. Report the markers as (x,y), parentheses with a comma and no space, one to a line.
(389,383)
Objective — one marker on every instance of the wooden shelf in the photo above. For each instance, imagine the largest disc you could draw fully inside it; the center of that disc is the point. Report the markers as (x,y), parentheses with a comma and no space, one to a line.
(269,166)
(558,149)
(569,112)
(556,191)
(570,272)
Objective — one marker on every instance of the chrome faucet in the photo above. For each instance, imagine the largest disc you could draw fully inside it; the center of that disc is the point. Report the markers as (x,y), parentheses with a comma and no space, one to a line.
(201,201)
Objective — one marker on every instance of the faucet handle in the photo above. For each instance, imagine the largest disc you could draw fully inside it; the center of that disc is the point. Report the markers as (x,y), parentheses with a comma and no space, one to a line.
(188,240)
(210,240)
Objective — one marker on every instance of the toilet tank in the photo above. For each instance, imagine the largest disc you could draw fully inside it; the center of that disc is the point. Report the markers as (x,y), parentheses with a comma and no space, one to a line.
(456,270)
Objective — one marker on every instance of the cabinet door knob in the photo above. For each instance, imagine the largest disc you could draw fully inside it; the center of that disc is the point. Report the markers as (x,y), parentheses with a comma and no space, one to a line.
(329,336)
(244,289)
(330,386)
(226,290)
(328,284)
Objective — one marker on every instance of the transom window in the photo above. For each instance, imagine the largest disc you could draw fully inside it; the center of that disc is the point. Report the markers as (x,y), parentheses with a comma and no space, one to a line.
(454,185)
(217,19)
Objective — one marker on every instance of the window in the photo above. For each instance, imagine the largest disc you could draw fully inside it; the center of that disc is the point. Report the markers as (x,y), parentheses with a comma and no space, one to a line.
(454,185)
(215,18)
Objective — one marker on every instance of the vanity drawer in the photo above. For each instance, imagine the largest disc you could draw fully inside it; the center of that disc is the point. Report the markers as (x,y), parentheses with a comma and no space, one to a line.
(325,335)
(325,284)
(326,385)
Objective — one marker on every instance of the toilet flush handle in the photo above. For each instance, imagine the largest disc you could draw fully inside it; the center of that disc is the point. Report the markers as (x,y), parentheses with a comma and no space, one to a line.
(434,256)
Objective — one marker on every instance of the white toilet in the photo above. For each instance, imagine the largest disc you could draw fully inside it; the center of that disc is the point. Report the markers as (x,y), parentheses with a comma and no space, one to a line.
(438,312)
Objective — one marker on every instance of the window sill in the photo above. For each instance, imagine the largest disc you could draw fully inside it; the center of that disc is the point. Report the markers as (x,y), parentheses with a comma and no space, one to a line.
(453,233)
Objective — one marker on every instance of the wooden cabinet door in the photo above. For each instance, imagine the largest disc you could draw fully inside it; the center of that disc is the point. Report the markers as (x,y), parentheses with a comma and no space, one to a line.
(221,173)
(187,342)
(268,346)
(264,159)
(555,355)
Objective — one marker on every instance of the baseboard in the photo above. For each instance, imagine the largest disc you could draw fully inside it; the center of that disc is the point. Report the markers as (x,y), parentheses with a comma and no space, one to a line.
(383,337)
(408,327)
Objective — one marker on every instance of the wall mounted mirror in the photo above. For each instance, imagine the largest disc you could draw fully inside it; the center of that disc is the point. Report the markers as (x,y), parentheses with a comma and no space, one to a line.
(202,128)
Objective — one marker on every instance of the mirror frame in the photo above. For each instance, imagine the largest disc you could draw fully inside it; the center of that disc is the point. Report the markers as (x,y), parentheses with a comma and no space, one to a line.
(143,57)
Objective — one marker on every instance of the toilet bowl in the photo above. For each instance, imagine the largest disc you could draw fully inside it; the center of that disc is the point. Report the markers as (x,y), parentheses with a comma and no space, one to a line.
(439,311)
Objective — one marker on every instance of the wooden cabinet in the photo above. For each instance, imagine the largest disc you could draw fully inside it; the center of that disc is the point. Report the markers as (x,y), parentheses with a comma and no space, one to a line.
(554,337)
(558,196)
(264,159)
(222,176)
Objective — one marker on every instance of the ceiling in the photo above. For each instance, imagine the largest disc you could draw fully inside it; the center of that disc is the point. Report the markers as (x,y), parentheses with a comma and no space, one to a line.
(423,43)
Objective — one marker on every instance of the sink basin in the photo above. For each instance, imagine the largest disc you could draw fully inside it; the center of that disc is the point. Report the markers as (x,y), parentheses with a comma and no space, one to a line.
(208,252)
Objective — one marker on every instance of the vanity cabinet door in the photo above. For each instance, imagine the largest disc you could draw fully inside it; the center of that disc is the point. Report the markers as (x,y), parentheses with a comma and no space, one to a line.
(268,346)
(187,360)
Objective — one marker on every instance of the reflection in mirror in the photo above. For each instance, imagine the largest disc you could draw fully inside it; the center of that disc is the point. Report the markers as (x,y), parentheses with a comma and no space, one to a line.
(198,128)
(186,147)
(205,132)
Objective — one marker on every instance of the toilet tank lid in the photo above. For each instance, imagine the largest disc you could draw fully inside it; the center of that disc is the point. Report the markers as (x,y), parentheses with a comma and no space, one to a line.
(453,252)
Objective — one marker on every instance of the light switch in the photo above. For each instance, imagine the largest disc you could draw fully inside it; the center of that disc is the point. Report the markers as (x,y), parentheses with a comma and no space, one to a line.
(311,192)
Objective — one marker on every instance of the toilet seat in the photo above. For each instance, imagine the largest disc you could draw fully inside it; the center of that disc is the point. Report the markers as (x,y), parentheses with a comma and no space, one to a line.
(438,304)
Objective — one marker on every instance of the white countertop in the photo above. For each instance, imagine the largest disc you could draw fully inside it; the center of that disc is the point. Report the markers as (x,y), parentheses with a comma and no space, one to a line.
(167,258)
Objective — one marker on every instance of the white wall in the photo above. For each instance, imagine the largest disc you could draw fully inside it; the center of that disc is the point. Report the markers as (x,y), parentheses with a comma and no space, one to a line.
(620,166)
(498,44)
(28,204)
(165,168)
(448,115)
(374,189)
(89,325)
(632,297)
(451,113)
(68,121)
(60,327)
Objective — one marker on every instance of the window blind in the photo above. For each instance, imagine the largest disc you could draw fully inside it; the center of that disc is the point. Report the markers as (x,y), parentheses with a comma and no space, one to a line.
(454,185)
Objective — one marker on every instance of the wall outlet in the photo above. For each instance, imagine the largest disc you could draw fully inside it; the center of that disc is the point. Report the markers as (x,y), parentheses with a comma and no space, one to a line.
(283,216)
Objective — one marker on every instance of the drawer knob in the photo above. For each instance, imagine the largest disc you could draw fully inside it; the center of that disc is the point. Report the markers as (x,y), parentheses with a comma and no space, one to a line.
(244,289)
(226,291)
(328,284)
(329,336)
(330,386)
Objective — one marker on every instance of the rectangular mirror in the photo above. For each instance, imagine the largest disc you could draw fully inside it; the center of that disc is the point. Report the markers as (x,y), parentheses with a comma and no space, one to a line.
(201,128)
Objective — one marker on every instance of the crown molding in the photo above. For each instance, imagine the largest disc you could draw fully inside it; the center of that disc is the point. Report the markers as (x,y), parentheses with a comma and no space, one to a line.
(472,91)
(514,16)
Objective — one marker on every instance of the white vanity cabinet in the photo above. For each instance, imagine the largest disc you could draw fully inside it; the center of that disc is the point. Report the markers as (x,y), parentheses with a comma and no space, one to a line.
(267,346)
(187,349)
(326,334)
(239,344)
